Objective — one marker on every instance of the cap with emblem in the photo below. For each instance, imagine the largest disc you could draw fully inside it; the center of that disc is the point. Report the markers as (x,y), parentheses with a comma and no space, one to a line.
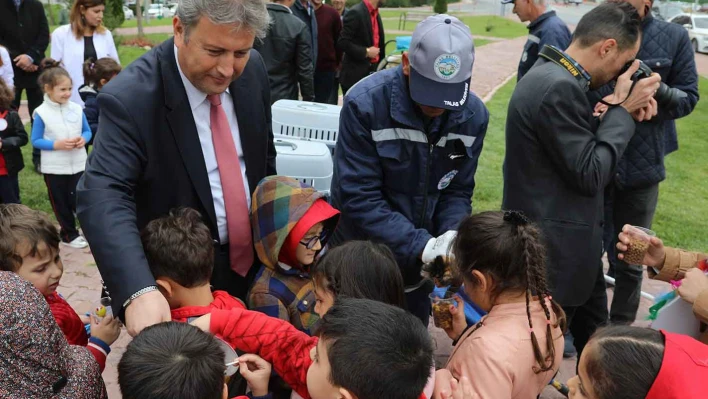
(441,56)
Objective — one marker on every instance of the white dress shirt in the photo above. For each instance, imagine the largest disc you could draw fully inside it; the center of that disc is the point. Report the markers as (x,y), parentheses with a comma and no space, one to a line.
(201,109)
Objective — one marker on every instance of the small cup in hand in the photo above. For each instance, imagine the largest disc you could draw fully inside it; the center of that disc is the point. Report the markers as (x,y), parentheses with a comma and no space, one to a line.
(639,241)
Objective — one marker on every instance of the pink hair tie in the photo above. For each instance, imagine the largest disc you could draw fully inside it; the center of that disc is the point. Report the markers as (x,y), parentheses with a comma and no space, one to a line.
(548,321)
(530,330)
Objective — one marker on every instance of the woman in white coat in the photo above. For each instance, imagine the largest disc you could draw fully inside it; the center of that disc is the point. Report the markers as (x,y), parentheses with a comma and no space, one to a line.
(85,37)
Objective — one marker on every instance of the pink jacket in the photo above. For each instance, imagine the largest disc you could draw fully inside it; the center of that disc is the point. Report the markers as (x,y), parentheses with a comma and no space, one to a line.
(498,357)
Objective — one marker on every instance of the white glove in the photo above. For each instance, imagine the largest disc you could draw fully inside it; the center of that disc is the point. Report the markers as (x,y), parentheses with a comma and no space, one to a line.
(439,247)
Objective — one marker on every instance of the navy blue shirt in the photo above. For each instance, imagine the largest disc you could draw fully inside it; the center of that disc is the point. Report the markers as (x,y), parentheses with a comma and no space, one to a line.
(546,29)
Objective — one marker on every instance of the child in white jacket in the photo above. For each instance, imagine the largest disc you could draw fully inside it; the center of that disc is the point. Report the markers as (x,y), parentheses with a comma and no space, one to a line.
(61,131)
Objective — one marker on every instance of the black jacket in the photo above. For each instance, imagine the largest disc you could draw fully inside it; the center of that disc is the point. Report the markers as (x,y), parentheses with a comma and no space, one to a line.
(88,96)
(666,49)
(357,35)
(287,53)
(311,21)
(559,159)
(147,160)
(24,32)
(13,138)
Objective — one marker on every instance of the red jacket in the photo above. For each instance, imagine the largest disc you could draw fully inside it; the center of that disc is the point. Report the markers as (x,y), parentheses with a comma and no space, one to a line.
(275,340)
(684,369)
(222,300)
(74,330)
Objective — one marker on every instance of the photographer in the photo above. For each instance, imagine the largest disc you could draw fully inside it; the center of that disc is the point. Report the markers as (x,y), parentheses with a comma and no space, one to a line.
(632,195)
(667,264)
(560,158)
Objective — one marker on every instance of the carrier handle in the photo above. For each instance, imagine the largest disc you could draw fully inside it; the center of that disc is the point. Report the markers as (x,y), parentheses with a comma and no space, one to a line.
(312,106)
(283,143)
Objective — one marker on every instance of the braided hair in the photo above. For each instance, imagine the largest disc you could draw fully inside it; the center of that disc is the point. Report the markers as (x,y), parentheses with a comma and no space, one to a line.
(508,247)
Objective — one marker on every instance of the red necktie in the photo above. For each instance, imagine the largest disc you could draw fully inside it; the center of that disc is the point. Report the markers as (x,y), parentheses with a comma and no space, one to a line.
(237,213)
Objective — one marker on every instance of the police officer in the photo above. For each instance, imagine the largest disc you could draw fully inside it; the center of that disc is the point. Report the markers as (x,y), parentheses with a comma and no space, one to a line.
(544,28)
(409,142)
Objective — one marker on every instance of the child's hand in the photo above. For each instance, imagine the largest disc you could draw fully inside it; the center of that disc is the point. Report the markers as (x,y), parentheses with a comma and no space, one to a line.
(692,285)
(64,145)
(80,143)
(447,386)
(107,329)
(256,371)
(459,322)
(655,255)
(86,319)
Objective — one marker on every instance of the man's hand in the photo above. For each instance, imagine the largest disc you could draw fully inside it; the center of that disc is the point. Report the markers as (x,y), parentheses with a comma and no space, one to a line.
(655,255)
(438,247)
(459,322)
(23,62)
(646,113)
(372,52)
(642,92)
(107,329)
(692,285)
(256,372)
(146,310)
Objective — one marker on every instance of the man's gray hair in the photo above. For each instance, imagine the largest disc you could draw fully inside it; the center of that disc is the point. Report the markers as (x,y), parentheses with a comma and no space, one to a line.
(247,14)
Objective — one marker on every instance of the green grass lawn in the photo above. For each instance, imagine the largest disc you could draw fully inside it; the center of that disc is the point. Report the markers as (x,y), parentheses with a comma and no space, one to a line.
(133,23)
(679,219)
(480,25)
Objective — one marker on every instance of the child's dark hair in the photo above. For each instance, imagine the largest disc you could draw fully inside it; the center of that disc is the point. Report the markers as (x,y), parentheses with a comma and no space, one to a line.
(507,247)
(172,360)
(376,350)
(179,246)
(361,269)
(97,70)
(21,225)
(624,361)
(52,72)
(7,96)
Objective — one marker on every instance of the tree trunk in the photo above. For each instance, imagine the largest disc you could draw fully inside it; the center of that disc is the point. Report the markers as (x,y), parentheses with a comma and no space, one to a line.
(139,17)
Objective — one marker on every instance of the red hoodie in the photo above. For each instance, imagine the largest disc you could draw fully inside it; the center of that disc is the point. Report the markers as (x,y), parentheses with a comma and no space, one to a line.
(74,330)
(684,369)
(222,300)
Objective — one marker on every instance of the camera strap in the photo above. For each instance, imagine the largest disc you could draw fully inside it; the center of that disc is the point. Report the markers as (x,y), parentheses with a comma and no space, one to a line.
(559,58)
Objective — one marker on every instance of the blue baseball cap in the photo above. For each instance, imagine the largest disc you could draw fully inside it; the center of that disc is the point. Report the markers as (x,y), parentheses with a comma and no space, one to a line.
(441,56)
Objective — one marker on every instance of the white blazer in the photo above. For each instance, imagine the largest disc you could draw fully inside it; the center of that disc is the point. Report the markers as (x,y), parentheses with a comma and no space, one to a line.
(70,51)
(6,72)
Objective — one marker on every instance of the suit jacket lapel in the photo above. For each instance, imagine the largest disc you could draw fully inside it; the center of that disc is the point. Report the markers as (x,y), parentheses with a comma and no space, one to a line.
(252,141)
(184,130)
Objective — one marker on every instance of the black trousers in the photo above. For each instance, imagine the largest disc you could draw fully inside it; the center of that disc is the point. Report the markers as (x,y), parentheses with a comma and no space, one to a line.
(324,85)
(9,189)
(34,100)
(635,207)
(62,196)
(585,319)
(334,95)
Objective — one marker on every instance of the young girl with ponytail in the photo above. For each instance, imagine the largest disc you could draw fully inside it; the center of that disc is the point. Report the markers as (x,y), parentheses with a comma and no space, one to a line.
(517,348)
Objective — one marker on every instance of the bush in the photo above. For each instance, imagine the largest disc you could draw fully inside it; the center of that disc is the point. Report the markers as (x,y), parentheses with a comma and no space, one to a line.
(113,16)
(440,7)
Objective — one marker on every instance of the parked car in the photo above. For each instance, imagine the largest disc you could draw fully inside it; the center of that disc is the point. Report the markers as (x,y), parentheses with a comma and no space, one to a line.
(697,26)
(576,2)
(128,13)
(159,11)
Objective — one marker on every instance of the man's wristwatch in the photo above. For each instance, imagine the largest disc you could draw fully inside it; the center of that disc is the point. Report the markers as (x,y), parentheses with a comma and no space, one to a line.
(137,294)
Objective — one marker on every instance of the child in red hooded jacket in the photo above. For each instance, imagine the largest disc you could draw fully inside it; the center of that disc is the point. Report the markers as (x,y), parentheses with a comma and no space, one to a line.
(291,224)
(180,252)
(634,362)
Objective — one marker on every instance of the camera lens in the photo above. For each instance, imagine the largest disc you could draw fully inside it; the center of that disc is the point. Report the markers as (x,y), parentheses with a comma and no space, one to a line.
(666,96)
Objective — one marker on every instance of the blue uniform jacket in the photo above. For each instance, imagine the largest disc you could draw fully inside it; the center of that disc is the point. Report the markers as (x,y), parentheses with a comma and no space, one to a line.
(397,181)
(546,29)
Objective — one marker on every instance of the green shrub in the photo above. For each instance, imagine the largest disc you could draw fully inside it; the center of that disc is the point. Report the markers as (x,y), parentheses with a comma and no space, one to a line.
(113,17)
(440,7)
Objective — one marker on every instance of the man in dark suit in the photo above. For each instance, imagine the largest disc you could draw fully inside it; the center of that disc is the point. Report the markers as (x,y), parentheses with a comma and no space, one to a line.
(25,33)
(188,124)
(362,41)
(560,157)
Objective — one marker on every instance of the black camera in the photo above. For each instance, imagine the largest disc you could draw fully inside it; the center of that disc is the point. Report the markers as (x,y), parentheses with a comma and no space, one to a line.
(665,96)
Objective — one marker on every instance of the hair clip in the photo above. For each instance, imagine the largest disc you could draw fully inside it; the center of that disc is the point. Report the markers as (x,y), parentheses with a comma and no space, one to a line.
(92,65)
(516,217)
